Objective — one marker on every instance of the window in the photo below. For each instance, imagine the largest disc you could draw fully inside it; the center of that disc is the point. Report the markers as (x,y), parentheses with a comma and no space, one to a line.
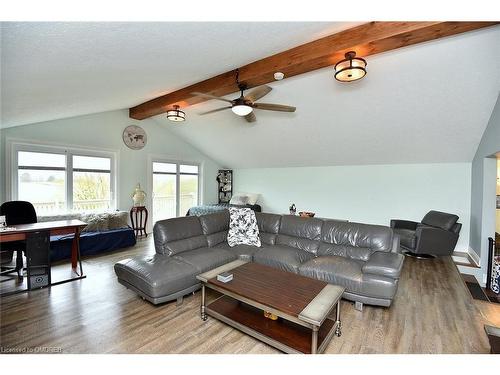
(91,183)
(42,180)
(175,189)
(59,180)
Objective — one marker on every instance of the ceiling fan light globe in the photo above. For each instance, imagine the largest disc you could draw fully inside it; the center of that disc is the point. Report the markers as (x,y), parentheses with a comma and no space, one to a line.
(241,109)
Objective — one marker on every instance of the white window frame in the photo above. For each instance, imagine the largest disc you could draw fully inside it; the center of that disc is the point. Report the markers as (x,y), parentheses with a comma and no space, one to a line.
(12,172)
(168,160)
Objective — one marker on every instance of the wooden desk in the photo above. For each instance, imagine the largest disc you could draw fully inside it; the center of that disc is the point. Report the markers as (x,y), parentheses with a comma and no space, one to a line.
(56,228)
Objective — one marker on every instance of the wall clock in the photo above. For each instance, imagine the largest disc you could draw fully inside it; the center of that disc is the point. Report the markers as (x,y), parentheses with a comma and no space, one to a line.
(134,137)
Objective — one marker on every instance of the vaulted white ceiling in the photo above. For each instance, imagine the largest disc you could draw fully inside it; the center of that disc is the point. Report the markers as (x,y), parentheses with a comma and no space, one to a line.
(55,70)
(425,103)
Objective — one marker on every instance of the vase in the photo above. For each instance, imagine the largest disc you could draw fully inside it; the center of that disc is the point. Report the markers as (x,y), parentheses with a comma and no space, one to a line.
(138,196)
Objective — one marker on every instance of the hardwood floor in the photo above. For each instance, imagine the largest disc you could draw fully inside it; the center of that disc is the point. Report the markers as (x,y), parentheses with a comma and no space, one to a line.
(432,313)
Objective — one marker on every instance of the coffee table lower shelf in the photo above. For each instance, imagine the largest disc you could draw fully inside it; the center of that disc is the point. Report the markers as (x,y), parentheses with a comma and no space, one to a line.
(282,334)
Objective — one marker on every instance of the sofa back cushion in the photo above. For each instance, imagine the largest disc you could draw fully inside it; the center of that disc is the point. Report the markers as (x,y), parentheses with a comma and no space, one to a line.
(215,227)
(302,233)
(440,220)
(269,226)
(354,240)
(173,236)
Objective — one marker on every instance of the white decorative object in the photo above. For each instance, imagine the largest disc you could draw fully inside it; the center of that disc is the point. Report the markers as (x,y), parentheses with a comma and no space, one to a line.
(138,196)
(252,197)
(134,137)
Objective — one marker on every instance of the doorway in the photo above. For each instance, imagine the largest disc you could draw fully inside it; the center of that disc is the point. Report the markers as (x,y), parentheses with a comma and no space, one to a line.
(175,189)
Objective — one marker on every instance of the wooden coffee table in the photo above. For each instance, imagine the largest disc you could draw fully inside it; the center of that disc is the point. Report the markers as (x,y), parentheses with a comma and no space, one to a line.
(302,304)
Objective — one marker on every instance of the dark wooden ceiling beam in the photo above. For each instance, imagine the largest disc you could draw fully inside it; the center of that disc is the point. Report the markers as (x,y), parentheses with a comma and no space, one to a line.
(367,39)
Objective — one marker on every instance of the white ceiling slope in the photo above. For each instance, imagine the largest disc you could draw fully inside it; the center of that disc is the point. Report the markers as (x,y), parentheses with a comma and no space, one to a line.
(54,70)
(427,103)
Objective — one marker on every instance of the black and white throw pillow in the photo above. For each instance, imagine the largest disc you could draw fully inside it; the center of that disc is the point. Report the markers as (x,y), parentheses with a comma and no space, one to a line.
(243,229)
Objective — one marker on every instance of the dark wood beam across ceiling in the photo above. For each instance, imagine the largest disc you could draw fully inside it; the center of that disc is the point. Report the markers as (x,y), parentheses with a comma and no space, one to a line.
(367,39)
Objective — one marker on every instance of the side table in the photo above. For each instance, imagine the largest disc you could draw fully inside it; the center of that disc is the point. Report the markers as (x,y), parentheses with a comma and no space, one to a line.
(139,219)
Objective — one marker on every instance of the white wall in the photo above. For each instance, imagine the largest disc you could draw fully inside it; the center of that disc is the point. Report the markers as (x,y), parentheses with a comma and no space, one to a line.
(104,131)
(483,195)
(497,227)
(369,194)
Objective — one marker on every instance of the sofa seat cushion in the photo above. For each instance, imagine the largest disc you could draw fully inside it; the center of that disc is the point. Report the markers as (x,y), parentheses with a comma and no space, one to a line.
(156,275)
(407,238)
(205,258)
(347,273)
(243,252)
(283,257)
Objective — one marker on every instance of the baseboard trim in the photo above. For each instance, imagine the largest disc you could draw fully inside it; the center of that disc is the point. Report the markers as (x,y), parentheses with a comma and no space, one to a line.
(474,256)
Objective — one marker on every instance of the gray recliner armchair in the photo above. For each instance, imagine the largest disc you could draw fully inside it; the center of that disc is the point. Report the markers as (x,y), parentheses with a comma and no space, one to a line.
(436,235)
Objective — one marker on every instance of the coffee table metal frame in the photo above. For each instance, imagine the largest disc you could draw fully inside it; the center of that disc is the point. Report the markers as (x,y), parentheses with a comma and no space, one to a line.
(312,317)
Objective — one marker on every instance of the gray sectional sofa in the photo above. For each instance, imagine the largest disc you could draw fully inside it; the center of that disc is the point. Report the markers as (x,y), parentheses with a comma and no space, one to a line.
(363,258)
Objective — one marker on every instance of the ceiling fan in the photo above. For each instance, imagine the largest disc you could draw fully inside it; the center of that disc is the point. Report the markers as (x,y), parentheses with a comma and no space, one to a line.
(245,104)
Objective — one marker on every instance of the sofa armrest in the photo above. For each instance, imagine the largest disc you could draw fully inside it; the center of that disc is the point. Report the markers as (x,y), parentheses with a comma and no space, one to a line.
(436,241)
(396,247)
(403,224)
(384,264)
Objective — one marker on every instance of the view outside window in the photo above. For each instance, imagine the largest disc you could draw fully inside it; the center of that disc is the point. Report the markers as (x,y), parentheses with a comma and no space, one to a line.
(42,181)
(164,191)
(167,178)
(91,183)
(188,187)
(54,185)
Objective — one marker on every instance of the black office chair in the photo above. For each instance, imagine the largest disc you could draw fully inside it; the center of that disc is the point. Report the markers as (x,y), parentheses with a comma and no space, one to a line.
(16,212)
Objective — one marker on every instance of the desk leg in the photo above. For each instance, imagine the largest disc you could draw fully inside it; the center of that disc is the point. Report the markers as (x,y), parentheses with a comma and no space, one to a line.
(75,253)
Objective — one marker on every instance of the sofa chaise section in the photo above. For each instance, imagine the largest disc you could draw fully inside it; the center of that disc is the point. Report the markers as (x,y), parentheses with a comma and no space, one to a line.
(157,278)
(182,252)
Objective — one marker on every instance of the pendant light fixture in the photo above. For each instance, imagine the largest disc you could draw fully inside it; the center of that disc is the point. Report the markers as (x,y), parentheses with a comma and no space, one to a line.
(176,114)
(351,68)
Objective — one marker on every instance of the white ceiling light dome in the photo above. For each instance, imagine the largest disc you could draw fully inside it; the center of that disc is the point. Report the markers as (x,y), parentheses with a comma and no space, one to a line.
(240,107)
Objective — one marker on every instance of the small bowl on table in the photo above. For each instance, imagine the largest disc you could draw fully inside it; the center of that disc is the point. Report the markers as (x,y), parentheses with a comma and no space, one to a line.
(306,214)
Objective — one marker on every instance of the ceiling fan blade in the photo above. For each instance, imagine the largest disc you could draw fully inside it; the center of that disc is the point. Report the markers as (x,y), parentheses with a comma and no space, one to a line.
(251,117)
(258,93)
(213,111)
(208,96)
(274,107)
